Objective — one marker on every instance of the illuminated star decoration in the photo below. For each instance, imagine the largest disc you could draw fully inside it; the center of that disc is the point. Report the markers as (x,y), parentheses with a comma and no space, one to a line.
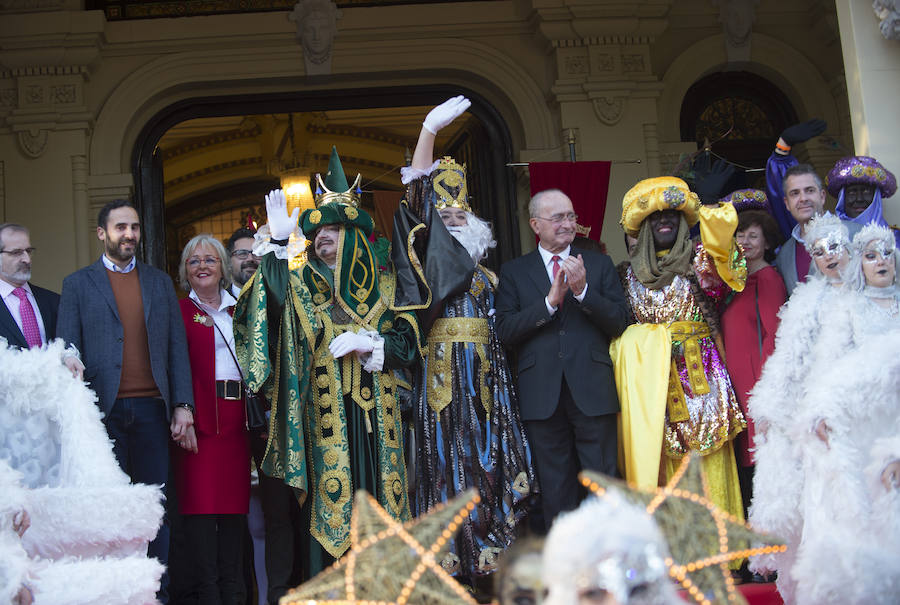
(702,538)
(392,563)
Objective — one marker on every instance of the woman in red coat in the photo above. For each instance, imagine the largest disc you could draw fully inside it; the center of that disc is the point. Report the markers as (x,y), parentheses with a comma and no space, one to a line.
(213,480)
(751,319)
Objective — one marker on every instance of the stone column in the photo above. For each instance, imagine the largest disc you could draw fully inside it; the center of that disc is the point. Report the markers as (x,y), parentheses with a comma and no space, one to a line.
(872,65)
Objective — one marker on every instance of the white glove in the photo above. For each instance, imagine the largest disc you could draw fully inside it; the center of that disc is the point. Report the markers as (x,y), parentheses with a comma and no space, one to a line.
(280,224)
(446,112)
(348,342)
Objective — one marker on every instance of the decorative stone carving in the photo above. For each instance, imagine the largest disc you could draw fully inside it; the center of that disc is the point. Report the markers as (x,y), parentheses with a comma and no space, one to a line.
(632,63)
(576,66)
(316,22)
(888,12)
(33,142)
(605,62)
(8,97)
(609,110)
(62,94)
(737,17)
(34,94)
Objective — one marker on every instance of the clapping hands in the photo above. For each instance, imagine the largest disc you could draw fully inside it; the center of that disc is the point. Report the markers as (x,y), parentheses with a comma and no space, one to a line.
(572,276)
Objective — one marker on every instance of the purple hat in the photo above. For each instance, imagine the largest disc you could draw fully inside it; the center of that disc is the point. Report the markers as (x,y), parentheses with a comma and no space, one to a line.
(863,170)
(748,199)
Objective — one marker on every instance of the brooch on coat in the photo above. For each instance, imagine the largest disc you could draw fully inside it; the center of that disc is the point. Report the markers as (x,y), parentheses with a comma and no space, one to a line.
(206,320)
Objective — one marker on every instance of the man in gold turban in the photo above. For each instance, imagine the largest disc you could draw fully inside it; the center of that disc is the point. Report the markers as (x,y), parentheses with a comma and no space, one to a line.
(672,285)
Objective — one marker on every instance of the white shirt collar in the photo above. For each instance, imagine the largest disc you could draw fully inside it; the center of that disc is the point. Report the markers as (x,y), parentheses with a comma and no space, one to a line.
(227,300)
(547,256)
(115,268)
(7,288)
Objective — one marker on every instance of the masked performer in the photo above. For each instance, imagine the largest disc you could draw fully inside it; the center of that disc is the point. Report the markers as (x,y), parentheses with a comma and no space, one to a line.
(848,501)
(466,415)
(318,339)
(675,391)
(780,393)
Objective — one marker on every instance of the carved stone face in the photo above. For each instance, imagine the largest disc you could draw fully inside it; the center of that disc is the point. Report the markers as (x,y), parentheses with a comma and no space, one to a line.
(317,32)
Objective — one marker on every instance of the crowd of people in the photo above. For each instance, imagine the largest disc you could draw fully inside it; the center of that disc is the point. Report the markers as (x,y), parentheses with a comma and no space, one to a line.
(312,358)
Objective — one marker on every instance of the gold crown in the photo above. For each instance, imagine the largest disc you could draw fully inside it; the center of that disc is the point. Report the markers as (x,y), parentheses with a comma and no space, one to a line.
(325,196)
(449,182)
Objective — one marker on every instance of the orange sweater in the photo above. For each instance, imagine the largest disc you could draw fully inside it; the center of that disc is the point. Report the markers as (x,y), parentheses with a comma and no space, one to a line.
(137,375)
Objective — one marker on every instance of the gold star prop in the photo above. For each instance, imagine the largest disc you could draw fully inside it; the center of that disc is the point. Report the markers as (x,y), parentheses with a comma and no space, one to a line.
(702,538)
(392,563)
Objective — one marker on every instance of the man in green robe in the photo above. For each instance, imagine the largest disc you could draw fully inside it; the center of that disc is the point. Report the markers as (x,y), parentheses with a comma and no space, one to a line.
(318,336)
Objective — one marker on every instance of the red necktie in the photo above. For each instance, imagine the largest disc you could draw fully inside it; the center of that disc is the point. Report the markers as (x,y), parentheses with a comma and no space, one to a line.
(555,259)
(30,327)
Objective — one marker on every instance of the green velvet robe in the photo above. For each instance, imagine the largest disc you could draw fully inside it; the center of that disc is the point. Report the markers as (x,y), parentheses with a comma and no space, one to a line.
(334,427)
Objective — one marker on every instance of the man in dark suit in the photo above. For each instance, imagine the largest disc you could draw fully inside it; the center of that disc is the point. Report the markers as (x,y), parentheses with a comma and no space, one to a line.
(26,306)
(558,308)
(122,315)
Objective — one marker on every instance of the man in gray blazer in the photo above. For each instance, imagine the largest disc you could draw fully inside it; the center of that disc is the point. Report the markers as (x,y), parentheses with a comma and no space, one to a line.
(804,197)
(122,315)
(558,308)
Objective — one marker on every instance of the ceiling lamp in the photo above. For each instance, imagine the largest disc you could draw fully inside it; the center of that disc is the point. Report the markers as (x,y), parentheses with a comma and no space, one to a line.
(295,183)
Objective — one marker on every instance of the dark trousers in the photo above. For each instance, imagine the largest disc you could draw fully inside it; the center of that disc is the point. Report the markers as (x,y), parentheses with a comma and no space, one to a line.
(215,541)
(279,506)
(140,433)
(566,443)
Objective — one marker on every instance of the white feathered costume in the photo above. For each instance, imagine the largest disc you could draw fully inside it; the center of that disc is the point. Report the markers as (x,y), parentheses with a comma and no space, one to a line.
(89,525)
(837,360)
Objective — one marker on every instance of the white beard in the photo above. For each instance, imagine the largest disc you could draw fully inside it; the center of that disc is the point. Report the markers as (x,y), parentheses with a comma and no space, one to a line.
(476,237)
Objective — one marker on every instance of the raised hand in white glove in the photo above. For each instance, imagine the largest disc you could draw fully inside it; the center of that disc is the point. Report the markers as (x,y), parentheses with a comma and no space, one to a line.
(348,342)
(280,224)
(446,112)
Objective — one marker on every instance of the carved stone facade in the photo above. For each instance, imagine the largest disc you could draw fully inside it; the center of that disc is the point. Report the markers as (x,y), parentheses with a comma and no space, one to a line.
(80,89)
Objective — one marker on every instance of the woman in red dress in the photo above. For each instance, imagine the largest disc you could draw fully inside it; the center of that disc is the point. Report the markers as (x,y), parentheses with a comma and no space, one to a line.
(750,321)
(213,480)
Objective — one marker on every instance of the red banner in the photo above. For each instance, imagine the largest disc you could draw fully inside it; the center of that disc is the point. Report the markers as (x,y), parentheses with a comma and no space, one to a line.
(586,184)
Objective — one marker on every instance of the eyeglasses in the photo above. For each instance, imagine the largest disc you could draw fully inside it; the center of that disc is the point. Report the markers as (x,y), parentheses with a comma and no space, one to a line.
(558,219)
(194,261)
(242,254)
(19,252)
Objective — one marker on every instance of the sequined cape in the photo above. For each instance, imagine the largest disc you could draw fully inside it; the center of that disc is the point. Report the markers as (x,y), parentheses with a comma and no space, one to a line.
(334,427)
(714,417)
(469,432)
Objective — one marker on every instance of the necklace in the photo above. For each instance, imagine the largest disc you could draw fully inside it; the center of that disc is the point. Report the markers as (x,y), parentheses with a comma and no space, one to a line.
(880,292)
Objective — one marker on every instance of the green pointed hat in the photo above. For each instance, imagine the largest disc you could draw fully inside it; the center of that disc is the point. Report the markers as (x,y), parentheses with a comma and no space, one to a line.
(336,202)
(334,188)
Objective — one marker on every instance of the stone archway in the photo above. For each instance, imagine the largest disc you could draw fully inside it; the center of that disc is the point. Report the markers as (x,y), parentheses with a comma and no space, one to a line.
(498,204)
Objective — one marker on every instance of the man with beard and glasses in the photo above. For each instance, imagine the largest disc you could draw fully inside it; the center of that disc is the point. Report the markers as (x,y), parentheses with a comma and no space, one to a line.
(466,410)
(675,392)
(28,317)
(124,318)
(243,262)
(318,336)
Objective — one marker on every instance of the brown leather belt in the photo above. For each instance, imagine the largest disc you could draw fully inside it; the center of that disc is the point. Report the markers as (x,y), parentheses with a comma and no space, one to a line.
(232,390)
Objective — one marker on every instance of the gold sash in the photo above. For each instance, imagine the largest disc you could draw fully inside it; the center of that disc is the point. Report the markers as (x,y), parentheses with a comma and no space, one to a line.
(444,332)
(689,334)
